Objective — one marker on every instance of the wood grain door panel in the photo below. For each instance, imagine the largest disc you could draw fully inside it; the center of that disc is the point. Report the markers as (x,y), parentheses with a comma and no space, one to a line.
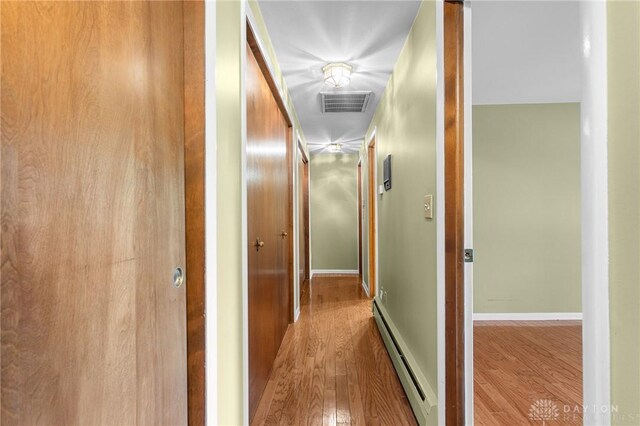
(93,331)
(268,218)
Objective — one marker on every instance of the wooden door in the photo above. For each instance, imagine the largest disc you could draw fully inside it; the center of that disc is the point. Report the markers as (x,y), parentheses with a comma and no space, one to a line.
(373,170)
(303,219)
(360,269)
(93,330)
(268,221)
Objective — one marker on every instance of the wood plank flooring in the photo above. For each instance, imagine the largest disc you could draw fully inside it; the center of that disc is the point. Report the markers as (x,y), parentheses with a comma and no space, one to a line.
(517,363)
(332,367)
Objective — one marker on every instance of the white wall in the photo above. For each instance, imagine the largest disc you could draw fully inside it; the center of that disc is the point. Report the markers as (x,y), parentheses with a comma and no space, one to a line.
(526,52)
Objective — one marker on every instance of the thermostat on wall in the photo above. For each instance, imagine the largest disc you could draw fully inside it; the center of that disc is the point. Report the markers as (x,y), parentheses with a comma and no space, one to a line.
(386,168)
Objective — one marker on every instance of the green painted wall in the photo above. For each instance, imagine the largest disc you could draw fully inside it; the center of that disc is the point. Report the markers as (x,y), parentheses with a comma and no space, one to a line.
(624,207)
(334,211)
(526,208)
(405,123)
(229,226)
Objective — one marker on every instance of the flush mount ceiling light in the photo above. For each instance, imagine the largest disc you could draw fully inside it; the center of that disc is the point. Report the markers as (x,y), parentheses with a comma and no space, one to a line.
(337,74)
(335,147)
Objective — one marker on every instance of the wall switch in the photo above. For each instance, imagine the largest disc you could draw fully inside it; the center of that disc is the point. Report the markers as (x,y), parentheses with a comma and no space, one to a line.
(428,206)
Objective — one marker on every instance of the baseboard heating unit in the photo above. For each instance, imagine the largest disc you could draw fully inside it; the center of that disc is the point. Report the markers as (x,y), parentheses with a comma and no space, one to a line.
(421,396)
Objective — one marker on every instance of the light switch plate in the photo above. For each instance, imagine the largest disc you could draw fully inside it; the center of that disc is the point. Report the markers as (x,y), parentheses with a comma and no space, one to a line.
(428,206)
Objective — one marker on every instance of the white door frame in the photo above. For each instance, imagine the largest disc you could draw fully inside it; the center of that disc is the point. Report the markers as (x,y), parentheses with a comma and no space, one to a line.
(596,364)
(373,173)
(468,213)
(594,217)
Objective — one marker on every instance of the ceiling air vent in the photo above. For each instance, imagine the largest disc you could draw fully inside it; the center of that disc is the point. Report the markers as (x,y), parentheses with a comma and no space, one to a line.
(345,101)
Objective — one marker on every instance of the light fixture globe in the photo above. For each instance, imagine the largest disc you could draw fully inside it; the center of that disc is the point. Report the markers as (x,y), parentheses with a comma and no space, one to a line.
(337,74)
(335,147)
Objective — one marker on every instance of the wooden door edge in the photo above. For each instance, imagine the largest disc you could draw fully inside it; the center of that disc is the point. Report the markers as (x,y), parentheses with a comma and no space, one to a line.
(454,211)
(194,186)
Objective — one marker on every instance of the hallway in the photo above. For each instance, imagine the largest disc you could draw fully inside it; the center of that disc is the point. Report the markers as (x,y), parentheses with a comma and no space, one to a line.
(332,367)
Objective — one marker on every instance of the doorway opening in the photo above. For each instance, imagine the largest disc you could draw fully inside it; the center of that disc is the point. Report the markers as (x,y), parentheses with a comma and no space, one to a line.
(534,315)
(304,267)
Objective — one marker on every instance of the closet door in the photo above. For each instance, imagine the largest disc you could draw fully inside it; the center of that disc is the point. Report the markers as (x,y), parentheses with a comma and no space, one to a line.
(267,228)
(93,328)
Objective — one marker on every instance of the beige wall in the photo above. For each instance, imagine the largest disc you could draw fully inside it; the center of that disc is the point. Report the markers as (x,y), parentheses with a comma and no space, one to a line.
(624,207)
(229,227)
(526,208)
(405,123)
(230,46)
(334,211)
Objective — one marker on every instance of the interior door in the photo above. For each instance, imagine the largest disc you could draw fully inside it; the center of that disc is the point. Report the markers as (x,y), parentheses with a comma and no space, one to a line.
(267,228)
(93,329)
(360,271)
(303,218)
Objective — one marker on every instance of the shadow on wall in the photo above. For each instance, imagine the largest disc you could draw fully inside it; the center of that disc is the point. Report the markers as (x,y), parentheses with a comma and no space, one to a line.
(333,211)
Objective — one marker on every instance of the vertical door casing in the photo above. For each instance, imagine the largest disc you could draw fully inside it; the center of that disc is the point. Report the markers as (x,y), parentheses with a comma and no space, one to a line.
(360,207)
(93,331)
(303,218)
(268,204)
(373,220)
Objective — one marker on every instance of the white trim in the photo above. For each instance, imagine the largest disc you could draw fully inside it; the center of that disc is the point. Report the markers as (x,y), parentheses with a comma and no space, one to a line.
(310,248)
(211,218)
(244,9)
(297,210)
(365,287)
(440,278)
(468,214)
(376,283)
(334,272)
(528,316)
(357,224)
(594,214)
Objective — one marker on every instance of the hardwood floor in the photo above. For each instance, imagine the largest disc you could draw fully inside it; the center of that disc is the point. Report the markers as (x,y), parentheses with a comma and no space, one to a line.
(517,363)
(332,367)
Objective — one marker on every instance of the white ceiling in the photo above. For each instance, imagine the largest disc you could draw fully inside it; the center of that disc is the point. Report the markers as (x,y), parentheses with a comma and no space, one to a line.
(307,35)
(526,52)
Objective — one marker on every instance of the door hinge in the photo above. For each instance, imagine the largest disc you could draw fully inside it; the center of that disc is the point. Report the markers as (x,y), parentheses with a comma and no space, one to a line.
(468,255)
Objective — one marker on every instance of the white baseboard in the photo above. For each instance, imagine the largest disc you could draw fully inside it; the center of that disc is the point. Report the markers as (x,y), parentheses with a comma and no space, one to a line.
(334,272)
(528,316)
(365,286)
